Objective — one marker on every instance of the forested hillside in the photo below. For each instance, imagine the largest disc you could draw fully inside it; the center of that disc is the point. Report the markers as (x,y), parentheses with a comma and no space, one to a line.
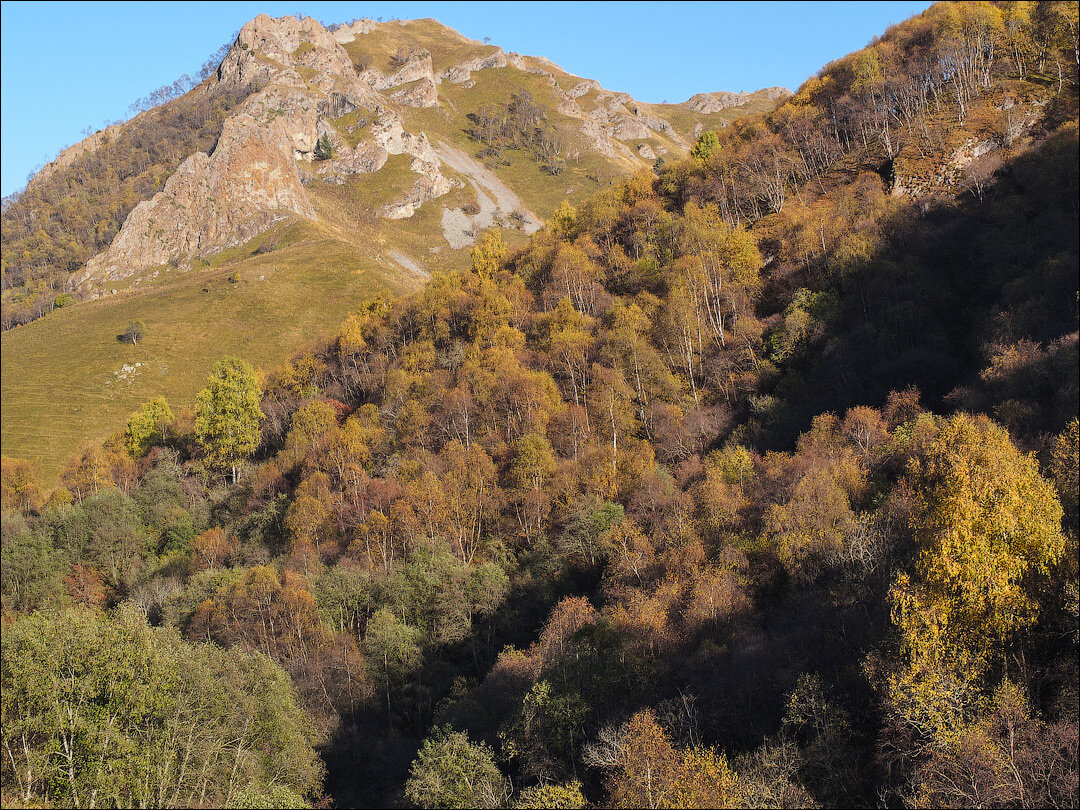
(312,167)
(749,481)
(67,214)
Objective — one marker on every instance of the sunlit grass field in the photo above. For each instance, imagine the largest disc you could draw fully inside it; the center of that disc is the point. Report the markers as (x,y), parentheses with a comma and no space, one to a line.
(64,376)
(67,378)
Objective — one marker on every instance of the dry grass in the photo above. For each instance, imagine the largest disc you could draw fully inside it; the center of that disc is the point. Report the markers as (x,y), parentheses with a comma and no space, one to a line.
(62,377)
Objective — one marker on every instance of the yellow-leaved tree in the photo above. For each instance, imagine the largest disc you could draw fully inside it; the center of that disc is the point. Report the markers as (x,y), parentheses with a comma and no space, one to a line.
(228,416)
(646,770)
(987,526)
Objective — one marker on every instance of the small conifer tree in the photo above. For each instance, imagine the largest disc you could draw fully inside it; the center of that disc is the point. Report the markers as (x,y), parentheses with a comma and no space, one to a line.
(324,149)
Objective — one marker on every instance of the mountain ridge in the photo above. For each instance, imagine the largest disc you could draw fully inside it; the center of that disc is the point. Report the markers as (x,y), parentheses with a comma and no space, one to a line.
(390,206)
(308,80)
(750,480)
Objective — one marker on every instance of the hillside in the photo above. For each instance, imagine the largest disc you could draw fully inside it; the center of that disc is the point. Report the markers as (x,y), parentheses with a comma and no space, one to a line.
(749,480)
(431,140)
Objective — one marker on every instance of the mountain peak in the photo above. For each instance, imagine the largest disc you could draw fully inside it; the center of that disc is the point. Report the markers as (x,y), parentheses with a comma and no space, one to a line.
(270,48)
(413,106)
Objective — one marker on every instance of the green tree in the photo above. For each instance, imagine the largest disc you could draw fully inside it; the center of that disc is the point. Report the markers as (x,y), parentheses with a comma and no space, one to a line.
(134,333)
(706,144)
(393,650)
(227,415)
(324,149)
(452,771)
(106,710)
(31,570)
(146,424)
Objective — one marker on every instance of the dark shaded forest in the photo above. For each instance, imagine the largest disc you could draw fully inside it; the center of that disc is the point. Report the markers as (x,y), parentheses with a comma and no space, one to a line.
(748,482)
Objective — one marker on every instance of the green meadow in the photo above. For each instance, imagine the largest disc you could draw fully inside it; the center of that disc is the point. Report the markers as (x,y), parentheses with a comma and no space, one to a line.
(66,377)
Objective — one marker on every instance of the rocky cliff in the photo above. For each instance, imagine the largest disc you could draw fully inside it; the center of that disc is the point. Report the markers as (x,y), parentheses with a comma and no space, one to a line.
(319,84)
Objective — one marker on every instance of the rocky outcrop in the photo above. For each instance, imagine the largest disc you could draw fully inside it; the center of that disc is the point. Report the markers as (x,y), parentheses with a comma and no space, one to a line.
(388,137)
(365,158)
(253,178)
(569,108)
(532,64)
(598,137)
(309,89)
(613,117)
(266,48)
(389,132)
(498,58)
(463,72)
(656,124)
(629,128)
(706,103)
(213,202)
(431,184)
(971,155)
(581,88)
(422,93)
(417,67)
(348,33)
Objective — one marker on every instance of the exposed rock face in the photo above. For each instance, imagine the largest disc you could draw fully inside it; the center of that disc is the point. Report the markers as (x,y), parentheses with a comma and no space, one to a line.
(613,117)
(715,102)
(309,89)
(366,158)
(347,33)
(389,133)
(656,124)
(531,64)
(416,68)
(949,172)
(599,138)
(629,128)
(463,72)
(581,88)
(253,180)
(249,184)
(430,185)
(422,93)
(265,49)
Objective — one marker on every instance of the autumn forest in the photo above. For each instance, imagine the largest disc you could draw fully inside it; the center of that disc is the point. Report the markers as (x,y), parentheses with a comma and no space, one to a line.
(749,481)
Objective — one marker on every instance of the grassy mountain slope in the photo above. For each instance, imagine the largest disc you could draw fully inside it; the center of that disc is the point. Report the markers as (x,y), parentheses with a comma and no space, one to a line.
(648,509)
(64,378)
(59,373)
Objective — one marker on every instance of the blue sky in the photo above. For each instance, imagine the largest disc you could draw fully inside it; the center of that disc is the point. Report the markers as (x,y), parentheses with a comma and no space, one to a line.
(67,66)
